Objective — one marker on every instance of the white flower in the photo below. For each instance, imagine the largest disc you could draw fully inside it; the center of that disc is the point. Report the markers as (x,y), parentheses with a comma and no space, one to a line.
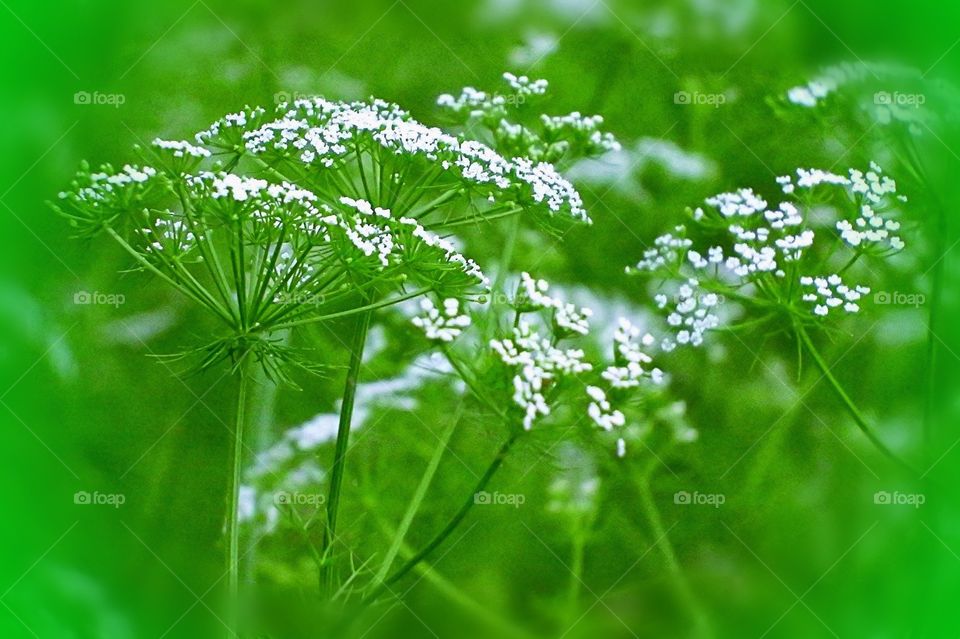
(691,315)
(829,293)
(444,324)
(182,148)
(665,251)
(601,412)
(567,317)
(537,363)
(318,131)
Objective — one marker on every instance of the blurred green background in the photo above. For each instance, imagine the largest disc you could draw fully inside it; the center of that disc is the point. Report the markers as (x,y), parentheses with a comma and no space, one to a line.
(799,549)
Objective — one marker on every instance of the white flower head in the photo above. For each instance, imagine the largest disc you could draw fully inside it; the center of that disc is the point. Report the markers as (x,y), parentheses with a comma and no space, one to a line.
(441,324)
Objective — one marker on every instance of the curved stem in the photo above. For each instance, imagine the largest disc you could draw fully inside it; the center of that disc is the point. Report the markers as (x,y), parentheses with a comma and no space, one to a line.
(851,407)
(418,496)
(458,517)
(233,503)
(662,540)
(343,437)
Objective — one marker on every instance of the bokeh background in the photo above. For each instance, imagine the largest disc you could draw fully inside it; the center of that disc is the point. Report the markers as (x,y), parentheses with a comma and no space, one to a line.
(798,549)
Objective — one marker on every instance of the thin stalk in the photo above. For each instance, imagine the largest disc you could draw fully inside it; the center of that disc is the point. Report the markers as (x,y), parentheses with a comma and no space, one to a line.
(848,403)
(506,258)
(263,403)
(343,437)
(576,573)
(458,517)
(941,235)
(233,503)
(445,587)
(472,385)
(418,496)
(679,580)
(353,311)
(472,219)
(208,303)
(209,252)
(435,204)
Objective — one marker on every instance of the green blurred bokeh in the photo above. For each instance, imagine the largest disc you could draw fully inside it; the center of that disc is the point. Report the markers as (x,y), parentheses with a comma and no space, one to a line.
(798,550)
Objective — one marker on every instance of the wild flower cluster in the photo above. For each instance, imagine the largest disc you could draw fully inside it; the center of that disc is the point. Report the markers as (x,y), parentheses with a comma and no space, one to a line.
(317,208)
(548,138)
(886,94)
(546,359)
(774,259)
(394,150)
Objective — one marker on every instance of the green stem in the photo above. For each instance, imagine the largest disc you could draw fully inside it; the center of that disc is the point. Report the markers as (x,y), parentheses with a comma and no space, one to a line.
(263,403)
(576,574)
(343,437)
(940,238)
(418,496)
(458,517)
(455,595)
(472,219)
(153,269)
(435,204)
(680,582)
(848,403)
(353,311)
(233,503)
